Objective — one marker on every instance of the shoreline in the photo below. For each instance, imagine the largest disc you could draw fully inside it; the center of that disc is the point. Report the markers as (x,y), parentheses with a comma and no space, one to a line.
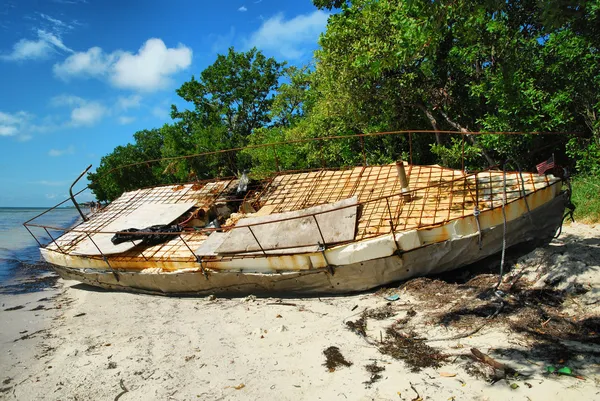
(86,343)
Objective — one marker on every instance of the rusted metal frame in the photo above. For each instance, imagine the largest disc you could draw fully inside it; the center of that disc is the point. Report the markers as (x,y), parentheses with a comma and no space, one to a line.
(410,154)
(351,173)
(256,239)
(357,183)
(321,154)
(141,252)
(438,198)
(309,191)
(335,137)
(338,180)
(83,216)
(203,181)
(326,183)
(463,152)
(476,211)
(276,158)
(187,190)
(375,208)
(34,237)
(54,241)
(491,189)
(426,196)
(323,247)
(265,188)
(242,256)
(255,224)
(53,207)
(216,197)
(198,258)
(319,187)
(362,145)
(392,225)
(450,198)
(104,258)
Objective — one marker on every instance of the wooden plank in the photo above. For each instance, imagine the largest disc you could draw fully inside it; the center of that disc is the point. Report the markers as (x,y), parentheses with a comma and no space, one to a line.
(302,231)
(145,215)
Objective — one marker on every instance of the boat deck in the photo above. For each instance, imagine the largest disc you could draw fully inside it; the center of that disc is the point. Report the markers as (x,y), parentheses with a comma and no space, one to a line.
(438,195)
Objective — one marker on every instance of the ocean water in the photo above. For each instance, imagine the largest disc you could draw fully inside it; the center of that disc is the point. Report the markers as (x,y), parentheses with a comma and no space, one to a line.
(21,264)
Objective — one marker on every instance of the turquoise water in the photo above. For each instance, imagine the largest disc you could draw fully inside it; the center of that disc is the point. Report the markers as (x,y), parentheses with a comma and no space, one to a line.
(20,258)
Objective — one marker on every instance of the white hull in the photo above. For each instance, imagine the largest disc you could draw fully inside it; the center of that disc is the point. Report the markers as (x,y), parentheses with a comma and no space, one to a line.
(357,266)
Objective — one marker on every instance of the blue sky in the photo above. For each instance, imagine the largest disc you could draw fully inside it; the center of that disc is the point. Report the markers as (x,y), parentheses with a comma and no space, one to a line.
(80,77)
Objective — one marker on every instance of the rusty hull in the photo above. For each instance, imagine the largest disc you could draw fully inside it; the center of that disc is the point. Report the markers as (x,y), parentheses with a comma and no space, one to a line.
(446,251)
(357,265)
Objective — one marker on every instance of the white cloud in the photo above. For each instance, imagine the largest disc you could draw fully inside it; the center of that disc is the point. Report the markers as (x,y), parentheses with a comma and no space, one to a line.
(67,100)
(83,112)
(46,44)
(128,102)
(56,22)
(92,62)
(147,70)
(88,114)
(12,124)
(8,130)
(124,120)
(292,39)
(61,152)
(242,9)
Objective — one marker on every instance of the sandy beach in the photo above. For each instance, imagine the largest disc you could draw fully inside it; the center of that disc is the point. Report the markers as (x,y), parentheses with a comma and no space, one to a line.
(418,340)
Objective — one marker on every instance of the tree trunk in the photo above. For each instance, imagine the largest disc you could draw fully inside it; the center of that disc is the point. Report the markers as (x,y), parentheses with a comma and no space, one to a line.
(430,116)
(471,139)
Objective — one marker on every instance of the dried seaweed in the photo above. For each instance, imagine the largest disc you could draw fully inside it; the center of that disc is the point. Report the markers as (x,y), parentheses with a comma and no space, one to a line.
(334,358)
(380,313)
(410,349)
(375,371)
(359,326)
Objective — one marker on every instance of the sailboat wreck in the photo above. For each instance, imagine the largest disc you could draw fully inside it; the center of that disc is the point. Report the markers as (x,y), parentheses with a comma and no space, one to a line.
(320,231)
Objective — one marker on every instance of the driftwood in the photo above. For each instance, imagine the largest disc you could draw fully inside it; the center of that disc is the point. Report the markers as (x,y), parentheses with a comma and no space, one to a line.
(481,357)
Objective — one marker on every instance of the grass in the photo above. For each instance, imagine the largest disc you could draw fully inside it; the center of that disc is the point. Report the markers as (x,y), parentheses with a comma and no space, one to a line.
(586,197)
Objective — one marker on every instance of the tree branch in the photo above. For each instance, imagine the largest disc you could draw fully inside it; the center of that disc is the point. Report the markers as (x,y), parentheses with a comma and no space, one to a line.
(471,139)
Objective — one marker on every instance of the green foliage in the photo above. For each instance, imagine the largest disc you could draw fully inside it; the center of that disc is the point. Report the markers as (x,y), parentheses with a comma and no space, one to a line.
(453,154)
(585,197)
(387,65)
(107,184)
(231,99)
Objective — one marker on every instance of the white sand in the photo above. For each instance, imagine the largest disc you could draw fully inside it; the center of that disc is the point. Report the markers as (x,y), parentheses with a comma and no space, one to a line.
(96,343)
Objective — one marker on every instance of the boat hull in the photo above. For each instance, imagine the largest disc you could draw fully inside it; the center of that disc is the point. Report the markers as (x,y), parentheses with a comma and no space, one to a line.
(539,225)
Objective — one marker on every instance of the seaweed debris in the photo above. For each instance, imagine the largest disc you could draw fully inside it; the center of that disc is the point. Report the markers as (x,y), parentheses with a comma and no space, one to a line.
(410,349)
(375,371)
(380,313)
(334,358)
(360,325)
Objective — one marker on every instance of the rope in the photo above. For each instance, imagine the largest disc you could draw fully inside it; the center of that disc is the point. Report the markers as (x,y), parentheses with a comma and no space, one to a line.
(503,229)
(568,203)
(476,213)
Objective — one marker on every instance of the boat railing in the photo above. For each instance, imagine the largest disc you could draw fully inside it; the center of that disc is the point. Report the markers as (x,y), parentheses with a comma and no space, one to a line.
(320,241)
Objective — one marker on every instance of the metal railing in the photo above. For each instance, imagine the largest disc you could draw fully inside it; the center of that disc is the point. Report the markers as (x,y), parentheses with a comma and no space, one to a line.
(394,225)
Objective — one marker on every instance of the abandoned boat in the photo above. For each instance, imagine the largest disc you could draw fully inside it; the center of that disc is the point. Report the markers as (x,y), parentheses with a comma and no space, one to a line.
(308,232)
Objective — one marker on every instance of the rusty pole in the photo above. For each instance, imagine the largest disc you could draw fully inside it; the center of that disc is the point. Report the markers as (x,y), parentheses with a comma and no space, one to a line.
(403,181)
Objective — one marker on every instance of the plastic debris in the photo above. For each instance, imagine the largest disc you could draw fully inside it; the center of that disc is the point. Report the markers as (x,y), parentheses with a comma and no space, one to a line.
(394,297)
(564,371)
